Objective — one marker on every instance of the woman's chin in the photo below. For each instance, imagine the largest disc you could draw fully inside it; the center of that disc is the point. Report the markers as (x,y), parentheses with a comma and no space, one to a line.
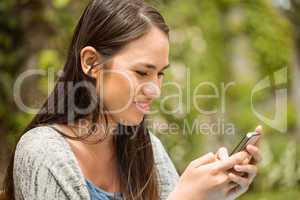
(133,121)
(130,117)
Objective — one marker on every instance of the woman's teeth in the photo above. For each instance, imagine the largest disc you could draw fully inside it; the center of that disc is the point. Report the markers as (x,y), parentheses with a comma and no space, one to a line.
(143,106)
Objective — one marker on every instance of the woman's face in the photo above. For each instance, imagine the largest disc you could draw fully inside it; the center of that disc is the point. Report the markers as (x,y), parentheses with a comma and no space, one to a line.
(134,77)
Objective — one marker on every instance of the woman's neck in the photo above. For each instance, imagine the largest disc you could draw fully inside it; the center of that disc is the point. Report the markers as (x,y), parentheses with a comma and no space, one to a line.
(101,137)
(97,160)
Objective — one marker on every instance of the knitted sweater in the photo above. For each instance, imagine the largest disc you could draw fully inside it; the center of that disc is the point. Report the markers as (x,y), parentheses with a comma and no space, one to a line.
(46,168)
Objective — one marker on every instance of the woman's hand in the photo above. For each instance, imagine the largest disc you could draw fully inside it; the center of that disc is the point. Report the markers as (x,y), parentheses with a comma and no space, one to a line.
(206,178)
(239,183)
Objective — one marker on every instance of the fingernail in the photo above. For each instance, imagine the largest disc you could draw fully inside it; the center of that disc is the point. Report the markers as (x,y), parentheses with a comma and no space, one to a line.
(237,168)
(258,128)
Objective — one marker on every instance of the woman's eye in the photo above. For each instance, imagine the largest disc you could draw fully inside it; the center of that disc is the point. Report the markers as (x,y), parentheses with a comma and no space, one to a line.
(161,74)
(141,73)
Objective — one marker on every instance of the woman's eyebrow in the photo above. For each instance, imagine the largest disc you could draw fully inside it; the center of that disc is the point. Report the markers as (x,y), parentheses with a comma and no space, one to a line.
(153,67)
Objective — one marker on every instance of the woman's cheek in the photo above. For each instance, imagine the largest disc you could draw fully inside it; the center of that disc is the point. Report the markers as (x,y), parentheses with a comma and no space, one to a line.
(119,91)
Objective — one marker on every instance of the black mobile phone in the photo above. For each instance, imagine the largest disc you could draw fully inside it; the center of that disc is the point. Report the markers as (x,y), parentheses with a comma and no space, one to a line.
(249,138)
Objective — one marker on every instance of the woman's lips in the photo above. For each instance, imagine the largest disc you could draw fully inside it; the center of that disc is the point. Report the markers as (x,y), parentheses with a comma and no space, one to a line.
(142,106)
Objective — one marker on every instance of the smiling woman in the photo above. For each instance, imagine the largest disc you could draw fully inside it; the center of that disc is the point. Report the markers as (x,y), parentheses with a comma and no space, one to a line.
(89,140)
(133,76)
(109,88)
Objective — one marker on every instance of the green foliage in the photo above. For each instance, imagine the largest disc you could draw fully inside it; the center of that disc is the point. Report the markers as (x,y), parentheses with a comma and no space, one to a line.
(60,3)
(219,41)
(207,38)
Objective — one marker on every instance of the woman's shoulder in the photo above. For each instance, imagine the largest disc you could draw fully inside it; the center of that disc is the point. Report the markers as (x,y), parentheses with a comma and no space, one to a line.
(41,141)
(43,148)
(45,167)
(158,148)
(167,173)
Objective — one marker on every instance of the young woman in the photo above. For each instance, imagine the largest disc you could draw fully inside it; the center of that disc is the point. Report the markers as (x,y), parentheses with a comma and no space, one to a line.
(89,140)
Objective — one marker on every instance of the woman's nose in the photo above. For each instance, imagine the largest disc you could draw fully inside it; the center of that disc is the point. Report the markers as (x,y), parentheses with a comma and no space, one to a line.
(151,90)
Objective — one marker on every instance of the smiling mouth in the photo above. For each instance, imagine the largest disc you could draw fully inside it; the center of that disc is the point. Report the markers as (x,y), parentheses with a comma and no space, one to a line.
(142,106)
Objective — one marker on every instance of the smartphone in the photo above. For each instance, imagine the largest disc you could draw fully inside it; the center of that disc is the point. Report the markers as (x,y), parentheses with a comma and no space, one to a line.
(249,138)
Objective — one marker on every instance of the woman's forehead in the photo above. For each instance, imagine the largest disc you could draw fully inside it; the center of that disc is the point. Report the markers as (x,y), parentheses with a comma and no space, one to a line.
(152,48)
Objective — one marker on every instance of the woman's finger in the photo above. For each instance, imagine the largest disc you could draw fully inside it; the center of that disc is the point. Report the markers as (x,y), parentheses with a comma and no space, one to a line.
(223,153)
(231,185)
(243,182)
(255,152)
(225,165)
(251,170)
(205,159)
(258,129)
(246,161)
(235,192)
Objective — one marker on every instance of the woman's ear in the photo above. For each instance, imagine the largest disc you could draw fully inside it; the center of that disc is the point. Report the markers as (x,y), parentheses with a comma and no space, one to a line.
(90,61)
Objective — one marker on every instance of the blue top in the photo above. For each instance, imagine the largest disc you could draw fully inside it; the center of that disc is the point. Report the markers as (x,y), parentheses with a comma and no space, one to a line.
(99,194)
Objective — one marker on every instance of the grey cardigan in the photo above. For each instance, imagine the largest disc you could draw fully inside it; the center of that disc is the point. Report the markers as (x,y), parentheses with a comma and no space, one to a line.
(46,168)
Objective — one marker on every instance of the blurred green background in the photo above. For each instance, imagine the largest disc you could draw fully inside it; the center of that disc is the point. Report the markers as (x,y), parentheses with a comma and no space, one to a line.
(220,41)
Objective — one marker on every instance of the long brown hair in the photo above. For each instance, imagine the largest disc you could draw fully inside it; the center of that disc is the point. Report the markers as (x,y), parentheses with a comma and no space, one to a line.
(107,25)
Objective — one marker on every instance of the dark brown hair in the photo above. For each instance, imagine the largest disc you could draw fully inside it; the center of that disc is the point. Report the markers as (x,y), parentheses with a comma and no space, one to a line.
(106,25)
